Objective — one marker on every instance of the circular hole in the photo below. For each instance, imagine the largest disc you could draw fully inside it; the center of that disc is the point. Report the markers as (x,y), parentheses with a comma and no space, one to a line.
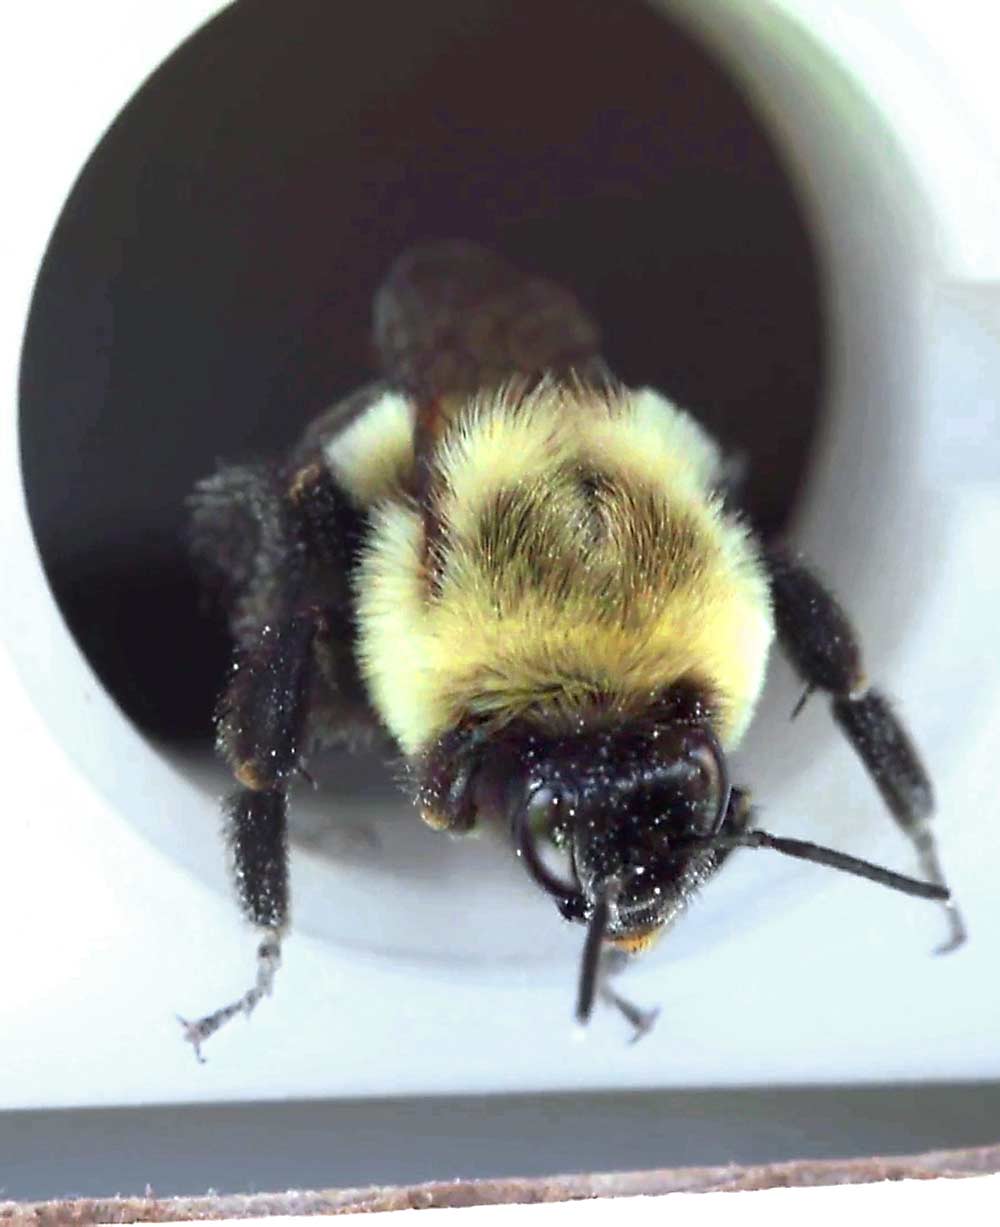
(207,291)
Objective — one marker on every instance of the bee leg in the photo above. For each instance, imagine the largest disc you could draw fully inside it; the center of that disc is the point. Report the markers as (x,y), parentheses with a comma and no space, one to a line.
(613,963)
(268,962)
(642,1021)
(260,726)
(822,645)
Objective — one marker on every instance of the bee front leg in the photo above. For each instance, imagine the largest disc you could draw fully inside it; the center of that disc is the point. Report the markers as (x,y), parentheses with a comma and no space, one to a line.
(822,645)
(613,962)
(641,1021)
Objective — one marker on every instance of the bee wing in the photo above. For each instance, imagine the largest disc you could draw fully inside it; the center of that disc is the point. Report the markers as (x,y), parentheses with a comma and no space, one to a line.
(452,319)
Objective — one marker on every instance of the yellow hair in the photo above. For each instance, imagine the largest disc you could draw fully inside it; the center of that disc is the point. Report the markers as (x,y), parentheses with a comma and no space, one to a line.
(582,554)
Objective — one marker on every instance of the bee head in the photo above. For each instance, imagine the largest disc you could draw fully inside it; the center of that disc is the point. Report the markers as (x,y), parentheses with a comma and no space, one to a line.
(612,822)
(629,809)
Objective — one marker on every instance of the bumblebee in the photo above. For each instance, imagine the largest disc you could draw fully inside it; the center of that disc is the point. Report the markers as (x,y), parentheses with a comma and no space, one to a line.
(532,578)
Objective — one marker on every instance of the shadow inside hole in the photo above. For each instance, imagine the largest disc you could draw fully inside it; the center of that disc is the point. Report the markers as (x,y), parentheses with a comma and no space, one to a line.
(207,289)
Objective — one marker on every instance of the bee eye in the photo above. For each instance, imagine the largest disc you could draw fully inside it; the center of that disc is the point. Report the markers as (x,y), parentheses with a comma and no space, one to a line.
(550,814)
(543,806)
(540,841)
(709,792)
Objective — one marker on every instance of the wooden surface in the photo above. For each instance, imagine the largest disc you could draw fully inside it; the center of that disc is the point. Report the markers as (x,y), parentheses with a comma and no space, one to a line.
(803,1173)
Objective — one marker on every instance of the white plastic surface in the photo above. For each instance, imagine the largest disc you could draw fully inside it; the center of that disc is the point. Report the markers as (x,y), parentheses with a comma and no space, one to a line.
(118,913)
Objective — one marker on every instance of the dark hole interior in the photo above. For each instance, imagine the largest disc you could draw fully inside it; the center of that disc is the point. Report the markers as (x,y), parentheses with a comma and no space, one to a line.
(207,289)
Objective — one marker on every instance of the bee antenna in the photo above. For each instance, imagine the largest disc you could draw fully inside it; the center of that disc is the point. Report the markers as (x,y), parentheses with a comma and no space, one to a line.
(590,964)
(804,851)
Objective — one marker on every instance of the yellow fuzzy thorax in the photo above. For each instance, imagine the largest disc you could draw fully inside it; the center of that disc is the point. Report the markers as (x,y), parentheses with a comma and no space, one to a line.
(581,557)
